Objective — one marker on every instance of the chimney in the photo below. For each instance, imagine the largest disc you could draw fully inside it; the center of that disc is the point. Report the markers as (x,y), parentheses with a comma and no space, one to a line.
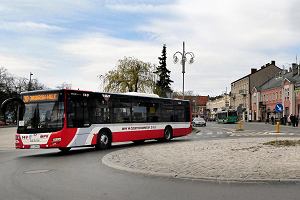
(294,69)
(273,62)
(253,70)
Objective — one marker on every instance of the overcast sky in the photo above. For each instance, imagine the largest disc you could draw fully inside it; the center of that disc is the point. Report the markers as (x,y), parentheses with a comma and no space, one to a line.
(74,41)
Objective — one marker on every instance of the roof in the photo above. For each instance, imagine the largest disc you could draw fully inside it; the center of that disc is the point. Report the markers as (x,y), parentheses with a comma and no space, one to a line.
(277,81)
(200,100)
(124,94)
(262,68)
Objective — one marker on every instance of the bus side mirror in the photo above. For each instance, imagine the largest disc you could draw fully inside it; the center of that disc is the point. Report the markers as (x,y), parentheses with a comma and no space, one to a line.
(20,103)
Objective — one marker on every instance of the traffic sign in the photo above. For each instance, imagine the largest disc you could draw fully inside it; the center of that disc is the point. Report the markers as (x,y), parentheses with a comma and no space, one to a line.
(279,107)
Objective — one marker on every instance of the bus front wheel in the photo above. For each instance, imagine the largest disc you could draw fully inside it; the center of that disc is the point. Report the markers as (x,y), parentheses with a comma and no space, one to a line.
(64,149)
(104,140)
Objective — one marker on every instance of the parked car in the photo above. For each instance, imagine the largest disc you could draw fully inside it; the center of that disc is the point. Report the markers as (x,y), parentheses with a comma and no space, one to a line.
(199,122)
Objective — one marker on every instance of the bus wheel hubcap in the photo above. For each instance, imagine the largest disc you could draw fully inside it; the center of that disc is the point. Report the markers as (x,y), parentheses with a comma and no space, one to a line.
(104,139)
(167,134)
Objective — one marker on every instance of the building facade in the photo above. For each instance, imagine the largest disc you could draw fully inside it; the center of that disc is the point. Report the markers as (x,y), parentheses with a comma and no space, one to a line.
(216,104)
(198,104)
(282,89)
(241,89)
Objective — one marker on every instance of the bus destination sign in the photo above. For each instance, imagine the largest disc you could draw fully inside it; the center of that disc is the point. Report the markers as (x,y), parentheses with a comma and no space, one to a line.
(40,97)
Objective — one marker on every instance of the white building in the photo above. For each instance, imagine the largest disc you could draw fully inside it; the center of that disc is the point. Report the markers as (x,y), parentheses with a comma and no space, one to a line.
(216,104)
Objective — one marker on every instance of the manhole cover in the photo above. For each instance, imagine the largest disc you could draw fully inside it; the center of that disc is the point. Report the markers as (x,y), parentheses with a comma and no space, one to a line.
(37,171)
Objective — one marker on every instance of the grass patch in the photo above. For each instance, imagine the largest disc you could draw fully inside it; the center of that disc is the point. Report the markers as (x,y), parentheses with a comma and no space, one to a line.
(283,143)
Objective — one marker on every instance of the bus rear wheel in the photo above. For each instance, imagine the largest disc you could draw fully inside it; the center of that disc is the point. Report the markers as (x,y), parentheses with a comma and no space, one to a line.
(104,140)
(168,134)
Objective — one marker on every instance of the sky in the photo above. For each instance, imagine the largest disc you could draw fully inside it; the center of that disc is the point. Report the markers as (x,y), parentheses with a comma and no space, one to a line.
(76,41)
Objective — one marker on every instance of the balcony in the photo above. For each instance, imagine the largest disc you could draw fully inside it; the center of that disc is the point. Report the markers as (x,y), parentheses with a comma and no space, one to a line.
(243,92)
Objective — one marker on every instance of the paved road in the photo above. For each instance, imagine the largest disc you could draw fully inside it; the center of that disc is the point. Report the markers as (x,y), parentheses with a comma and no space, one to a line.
(47,174)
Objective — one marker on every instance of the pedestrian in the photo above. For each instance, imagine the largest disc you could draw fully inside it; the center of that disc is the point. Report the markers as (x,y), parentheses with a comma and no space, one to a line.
(292,118)
(272,120)
(284,119)
(268,119)
(296,120)
(289,120)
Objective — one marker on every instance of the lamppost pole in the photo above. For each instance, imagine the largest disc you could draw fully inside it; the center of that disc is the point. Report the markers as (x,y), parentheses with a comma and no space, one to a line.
(183,55)
(183,69)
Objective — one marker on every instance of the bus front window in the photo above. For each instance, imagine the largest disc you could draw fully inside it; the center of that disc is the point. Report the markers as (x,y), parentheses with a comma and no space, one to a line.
(42,117)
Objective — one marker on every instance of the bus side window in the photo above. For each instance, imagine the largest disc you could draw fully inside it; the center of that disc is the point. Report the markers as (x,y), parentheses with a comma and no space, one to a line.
(167,111)
(98,110)
(121,109)
(153,111)
(71,113)
(139,109)
(78,115)
(179,112)
(187,112)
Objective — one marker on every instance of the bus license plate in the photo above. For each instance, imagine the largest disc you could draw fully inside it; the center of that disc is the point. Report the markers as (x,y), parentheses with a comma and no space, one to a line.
(35,146)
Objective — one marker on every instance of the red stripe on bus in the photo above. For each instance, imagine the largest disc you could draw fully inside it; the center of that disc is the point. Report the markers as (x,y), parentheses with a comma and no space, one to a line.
(147,134)
(67,136)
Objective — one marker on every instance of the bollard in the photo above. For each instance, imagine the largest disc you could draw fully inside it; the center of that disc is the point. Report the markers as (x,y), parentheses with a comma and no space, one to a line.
(277,127)
(240,126)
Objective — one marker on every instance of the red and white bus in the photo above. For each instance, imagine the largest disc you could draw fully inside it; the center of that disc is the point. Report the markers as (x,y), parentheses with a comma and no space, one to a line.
(71,118)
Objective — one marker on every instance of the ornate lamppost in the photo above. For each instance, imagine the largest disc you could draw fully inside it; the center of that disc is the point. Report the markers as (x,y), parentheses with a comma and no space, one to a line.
(183,55)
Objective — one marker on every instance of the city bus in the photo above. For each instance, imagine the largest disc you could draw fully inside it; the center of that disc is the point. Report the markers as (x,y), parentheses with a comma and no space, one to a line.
(227,116)
(65,119)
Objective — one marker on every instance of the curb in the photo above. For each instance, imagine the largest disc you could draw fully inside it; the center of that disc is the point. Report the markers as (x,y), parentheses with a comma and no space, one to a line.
(107,162)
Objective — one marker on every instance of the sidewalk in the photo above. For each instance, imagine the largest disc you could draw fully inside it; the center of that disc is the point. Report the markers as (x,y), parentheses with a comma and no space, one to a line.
(242,160)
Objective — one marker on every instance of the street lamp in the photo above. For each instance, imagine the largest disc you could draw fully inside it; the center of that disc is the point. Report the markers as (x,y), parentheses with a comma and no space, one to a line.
(29,88)
(183,55)
(101,77)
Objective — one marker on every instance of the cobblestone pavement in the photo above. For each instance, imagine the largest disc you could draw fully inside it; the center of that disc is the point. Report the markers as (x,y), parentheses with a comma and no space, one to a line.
(231,133)
(243,159)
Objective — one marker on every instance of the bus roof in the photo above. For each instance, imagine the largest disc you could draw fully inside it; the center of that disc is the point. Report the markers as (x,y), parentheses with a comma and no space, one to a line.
(109,93)
(225,111)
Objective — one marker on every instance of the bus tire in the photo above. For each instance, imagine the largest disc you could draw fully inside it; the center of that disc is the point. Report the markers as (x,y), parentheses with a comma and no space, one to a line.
(104,140)
(168,134)
(137,142)
(64,149)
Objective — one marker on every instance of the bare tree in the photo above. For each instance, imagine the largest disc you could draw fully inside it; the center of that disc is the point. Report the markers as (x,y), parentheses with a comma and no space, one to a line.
(64,85)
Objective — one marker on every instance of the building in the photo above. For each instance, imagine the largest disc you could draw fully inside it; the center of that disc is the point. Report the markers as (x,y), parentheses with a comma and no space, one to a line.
(283,88)
(198,104)
(241,89)
(216,104)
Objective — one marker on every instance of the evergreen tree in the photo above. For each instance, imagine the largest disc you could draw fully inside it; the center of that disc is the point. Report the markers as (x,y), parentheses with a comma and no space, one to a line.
(162,85)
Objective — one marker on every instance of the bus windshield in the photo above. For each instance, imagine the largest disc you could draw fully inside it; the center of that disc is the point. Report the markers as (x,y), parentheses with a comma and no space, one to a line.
(232,113)
(42,117)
